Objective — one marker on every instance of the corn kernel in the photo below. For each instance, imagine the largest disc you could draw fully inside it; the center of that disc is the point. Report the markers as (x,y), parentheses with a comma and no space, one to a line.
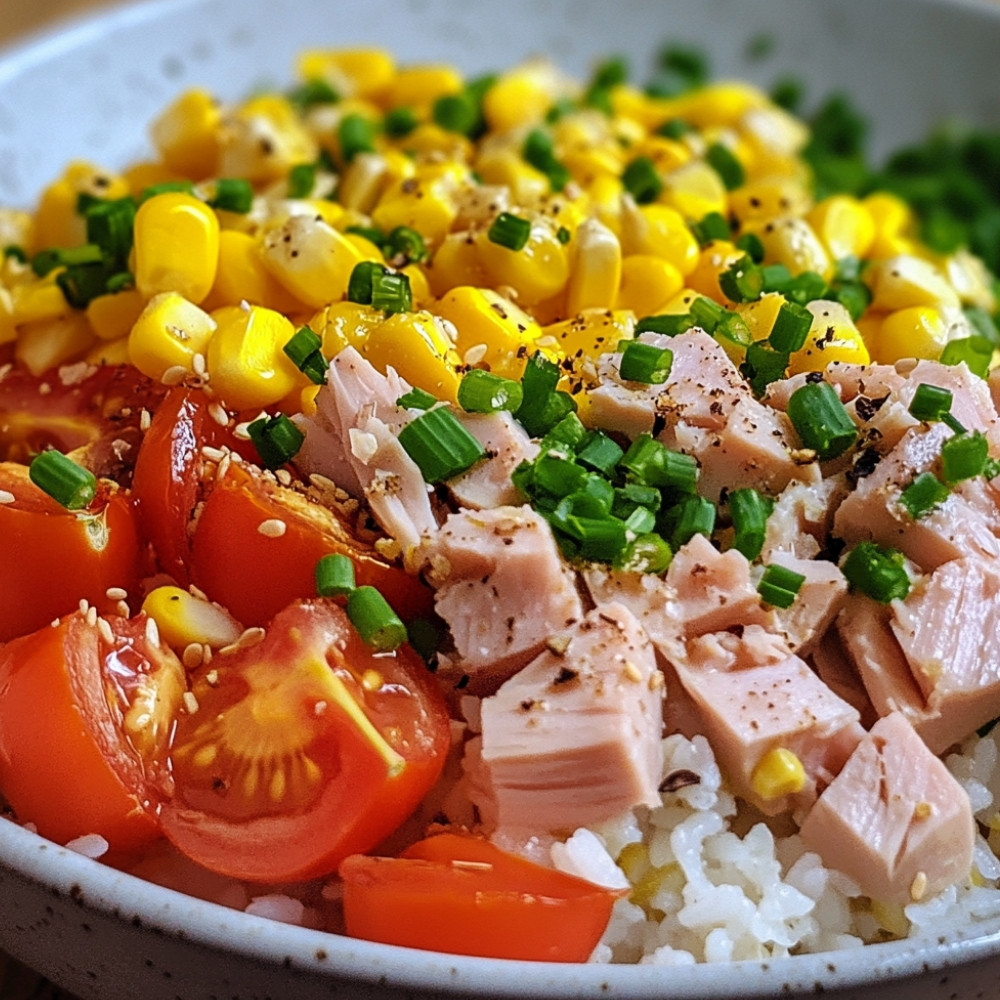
(695,190)
(536,272)
(666,154)
(362,182)
(832,336)
(779,772)
(242,277)
(263,139)
(38,300)
(46,344)
(791,241)
(113,315)
(903,281)
(713,260)
(647,284)
(521,96)
(420,289)
(484,318)
(310,259)
(420,86)
(895,225)
(597,268)
(418,346)
(760,314)
(57,222)
(456,263)
(971,279)
(142,175)
(717,105)
(344,324)
(246,360)
(661,231)
(590,333)
(424,203)
(186,135)
(109,352)
(594,163)
(8,329)
(176,246)
(168,334)
(429,140)
(183,619)
(351,72)
(506,167)
(913,332)
(844,224)
(767,198)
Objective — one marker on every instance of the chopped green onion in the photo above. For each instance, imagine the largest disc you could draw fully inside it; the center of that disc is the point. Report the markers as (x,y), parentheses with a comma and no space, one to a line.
(694,516)
(668,324)
(749,511)
(600,539)
(641,521)
(558,476)
(600,453)
(483,392)
(925,494)
(391,292)
(416,399)
(405,246)
(359,285)
(510,231)
(763,365)
(710,228)
(645,363)
(642,180)
(648,553)
(779,586)
(752,246)
(821,420)
(276,439)
(400,122)
(15,252)
(166,187)
(742,281)
(371,233)
(313,92)
(635,495)
(542,406)
(356,134)
(334,575)
(791,327)
(976,352)
(69,484)
(301,180)
(674,128)
(724,162)
(733,327)
(964,456)
(539,151)
(878,572)
(456,113)
(611,72)
(425,640)
(110,226)
(650,463)
(305,352)
(932,402)
(377,624)
(565,436)
(82,283)
(854,296)
(707,313)
(120,281)
(232,194)
(563,235)
(982,324)
(777,277)
(439,445)
(806,287)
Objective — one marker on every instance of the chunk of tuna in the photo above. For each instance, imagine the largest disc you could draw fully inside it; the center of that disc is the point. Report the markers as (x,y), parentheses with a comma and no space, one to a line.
(802,517)
(894,820)
(972,404)
(502,587)
(873,511)
(819,600)
(755,696)
(574,739)
(488,483)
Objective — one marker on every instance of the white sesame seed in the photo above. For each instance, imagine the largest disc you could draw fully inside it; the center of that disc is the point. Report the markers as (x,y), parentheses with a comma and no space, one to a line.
(105,629)
(116,593)
(273,527)
(198,364)
(212,454)
(475,354)
(174,375)
(152,632)
(123,609)
(6,496)
(218,414)
(145,420)
(191,657)
(240,431)
(283,476)
(91,616)
(190,702)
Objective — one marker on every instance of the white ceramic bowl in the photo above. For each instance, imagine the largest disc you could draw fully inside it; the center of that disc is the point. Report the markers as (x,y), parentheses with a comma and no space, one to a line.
(88,91)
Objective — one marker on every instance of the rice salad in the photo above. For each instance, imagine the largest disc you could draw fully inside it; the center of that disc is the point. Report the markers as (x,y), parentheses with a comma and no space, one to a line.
(570,494)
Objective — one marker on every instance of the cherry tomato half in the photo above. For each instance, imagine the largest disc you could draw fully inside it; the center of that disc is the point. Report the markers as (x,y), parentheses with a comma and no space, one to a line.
(256,545)
(464,896)
(51,557)
(85,717)
(303,749)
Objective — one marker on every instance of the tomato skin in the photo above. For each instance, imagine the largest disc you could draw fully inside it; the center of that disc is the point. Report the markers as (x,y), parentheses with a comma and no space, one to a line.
(461,895)
(255,575)
(65,762)
(52,557)
(279,773)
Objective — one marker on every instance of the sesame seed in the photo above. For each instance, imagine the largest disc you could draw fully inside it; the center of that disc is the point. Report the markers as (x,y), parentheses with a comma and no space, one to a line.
(190,702)
(6,496)
(174,375)
(116,593)
(191,657)
(918,887)
(152,632)
(198,364)
(145,420)
(475,354)
(212,454)
(218,414)
(273,527)
(123,609)
(91,616)
(105,629)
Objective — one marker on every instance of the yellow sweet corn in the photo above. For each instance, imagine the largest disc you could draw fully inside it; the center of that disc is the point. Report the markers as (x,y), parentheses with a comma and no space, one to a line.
(912,332)
(588,334)
(596,268)
(536,272)
(790,240)
(419,87)
(521,96)
(310,259)
(187,135)
(57,222)
(716,105)
(362,182)
(425,202)
(183,619)
(712,261)
(351,72)
(169,334)
(661,231)
(344,324)
(767,198)
(242,276)
(506,167)
(456,262)
(904,281)
(431,140)
(48,343)
(38,300)
(176,246)
(844,225)
(666,154)
(8,329)
(760,314)
(490,330)
(419,347)
(779,772)
(263,139)
(109,352)
(141,176)
(420,289)
(647,284)
(895,225)
(112,316)
(247,364)
(695,190)
(833,336)
(971,279)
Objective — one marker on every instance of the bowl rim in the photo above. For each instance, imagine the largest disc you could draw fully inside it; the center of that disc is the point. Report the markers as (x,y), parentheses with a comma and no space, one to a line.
(27,857)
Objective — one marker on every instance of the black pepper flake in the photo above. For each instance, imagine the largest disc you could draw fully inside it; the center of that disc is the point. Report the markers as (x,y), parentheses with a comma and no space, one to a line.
(565,676)
(865,463)
(813,377)
(866,407)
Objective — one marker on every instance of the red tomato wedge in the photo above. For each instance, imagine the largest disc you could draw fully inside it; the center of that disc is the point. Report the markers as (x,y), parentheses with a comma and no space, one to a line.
(256,545)
(51,557)
(303,749)
(462,895)
(85,716)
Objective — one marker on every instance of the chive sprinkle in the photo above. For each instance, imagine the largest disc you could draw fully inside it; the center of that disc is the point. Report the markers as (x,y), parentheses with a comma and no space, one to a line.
(821,420)
(377,624)
(779,586)
(334,575)
(69,484)
(439,445)
(510,231)
(276,439)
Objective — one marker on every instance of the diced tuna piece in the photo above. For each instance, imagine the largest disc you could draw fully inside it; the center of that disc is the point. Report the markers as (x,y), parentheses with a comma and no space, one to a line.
(757,698)
(873,511)
(647,596)
(948,629)
(851,381)
(488,483)
(972,404)
(834,667)
(502,587)
(894,820)
(819,600)
(802,517)
(574,739)
(352,440)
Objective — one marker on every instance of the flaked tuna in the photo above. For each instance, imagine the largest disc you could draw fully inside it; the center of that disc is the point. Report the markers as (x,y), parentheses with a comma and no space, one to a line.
(818,601)
(894,820)
(488,483)
(502,587)
(802,516)
(573,739)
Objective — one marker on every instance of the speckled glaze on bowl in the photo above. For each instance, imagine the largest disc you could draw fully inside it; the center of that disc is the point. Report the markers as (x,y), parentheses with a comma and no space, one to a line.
(90,90)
